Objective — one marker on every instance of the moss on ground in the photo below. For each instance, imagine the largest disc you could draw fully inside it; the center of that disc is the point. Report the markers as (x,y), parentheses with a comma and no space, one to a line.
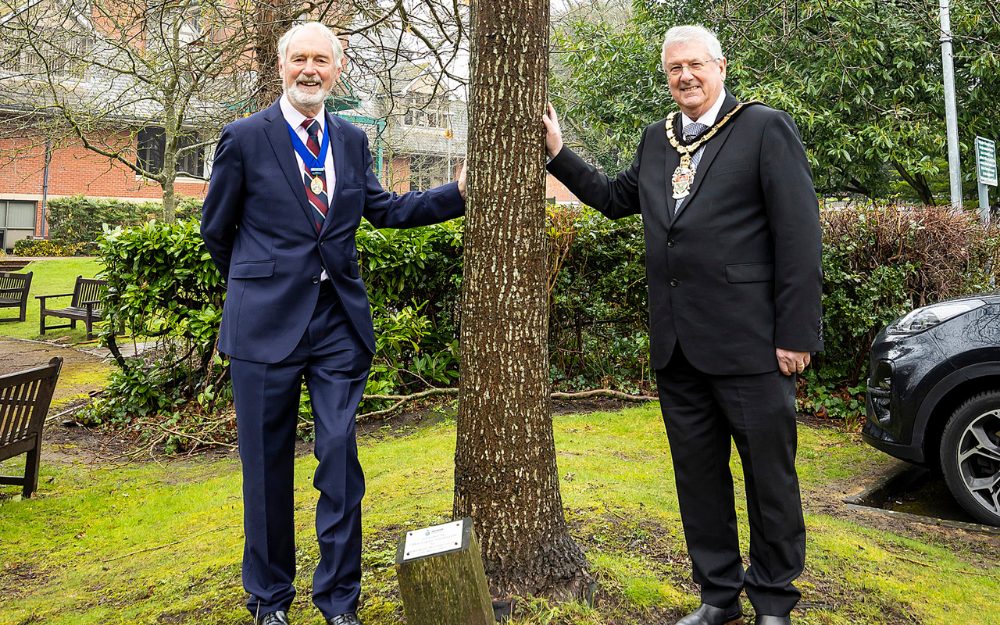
(162,542)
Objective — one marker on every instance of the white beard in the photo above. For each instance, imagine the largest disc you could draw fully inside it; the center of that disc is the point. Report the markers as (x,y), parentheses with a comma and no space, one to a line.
(305,100)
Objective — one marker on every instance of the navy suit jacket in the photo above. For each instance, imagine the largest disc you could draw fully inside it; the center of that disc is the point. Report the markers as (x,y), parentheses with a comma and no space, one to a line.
(259,228)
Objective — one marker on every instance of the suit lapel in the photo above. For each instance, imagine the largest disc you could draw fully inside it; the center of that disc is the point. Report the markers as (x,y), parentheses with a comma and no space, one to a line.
(339,166)
(712,149)
(277,133)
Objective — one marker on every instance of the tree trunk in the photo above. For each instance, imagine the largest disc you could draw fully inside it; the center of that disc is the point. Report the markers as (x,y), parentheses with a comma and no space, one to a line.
(917,182)
(169,197)
(506,477)
(274,17)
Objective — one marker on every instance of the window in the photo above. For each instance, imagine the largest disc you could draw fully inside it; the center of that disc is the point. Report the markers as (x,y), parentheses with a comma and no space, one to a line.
(427,115)
(17,221)
(427,172)
(152,145)
(66,56)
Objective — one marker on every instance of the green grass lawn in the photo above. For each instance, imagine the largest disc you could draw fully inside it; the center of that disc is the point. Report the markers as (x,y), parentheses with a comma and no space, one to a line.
(51,277)
(161,542)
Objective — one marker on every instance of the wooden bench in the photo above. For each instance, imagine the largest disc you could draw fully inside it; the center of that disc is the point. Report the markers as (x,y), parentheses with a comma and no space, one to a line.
(24,402)
(14,289)
(85,306)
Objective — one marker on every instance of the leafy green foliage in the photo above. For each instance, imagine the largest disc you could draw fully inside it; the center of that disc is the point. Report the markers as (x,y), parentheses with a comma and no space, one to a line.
(81,220)
(163,291)
(48,247)
(878,263)
(414,279)
(598,318)
(861,78)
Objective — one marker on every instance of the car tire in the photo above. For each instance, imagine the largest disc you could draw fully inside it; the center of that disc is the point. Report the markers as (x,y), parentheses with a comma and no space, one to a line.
(970,456)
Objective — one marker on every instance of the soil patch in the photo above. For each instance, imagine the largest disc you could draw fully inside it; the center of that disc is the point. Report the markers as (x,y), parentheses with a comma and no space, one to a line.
(82,372)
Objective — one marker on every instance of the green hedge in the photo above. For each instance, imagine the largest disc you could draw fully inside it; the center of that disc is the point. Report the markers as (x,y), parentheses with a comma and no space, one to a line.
(80,220)
(878,262)
(48,247)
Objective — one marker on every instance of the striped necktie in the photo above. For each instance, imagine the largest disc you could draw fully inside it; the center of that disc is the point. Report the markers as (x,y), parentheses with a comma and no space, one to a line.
(691,132)
(318,200)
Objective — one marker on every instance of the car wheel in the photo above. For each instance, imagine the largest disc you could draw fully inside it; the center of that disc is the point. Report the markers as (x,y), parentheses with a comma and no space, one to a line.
(970,456)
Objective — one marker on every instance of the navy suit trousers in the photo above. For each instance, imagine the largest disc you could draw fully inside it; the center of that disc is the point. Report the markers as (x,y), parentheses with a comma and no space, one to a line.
(334,363)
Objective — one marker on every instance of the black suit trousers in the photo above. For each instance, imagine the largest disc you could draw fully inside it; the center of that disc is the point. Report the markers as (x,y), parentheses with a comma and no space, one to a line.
(334,363)
(703,414)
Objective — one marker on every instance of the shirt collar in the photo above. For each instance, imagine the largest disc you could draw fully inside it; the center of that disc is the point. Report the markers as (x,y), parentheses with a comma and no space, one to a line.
(708,118)
(294,117)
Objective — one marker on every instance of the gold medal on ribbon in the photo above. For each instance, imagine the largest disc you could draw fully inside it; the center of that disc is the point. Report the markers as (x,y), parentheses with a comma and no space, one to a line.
(316,185)
(683,178)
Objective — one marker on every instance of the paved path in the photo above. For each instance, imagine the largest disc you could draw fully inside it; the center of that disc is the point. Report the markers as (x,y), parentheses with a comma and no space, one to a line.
(82,372)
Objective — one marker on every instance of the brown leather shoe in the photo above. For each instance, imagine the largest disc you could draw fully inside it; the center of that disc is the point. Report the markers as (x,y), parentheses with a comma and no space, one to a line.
(711,615)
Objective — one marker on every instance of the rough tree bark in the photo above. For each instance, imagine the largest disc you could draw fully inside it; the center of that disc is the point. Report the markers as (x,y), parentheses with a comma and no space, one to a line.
(274,17)
(506,477)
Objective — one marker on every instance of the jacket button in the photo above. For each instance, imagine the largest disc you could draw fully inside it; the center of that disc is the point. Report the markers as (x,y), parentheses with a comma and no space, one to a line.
(315,279)
(674,282)
(670,242)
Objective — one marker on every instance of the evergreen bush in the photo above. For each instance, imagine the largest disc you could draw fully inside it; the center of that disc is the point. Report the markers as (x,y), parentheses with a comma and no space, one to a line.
(878,263)
(47,247)
(79,219)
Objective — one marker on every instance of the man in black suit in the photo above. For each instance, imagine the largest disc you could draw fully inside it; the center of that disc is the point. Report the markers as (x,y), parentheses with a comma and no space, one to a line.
(733,245)
(289,187)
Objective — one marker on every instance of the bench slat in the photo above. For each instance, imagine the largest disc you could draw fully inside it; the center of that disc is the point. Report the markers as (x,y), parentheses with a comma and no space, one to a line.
(24,402)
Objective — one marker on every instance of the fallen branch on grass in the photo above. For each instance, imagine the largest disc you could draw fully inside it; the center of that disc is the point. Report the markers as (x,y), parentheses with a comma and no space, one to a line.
(939,568)
(176,542)
(76,408)
(604,392)
(401,400)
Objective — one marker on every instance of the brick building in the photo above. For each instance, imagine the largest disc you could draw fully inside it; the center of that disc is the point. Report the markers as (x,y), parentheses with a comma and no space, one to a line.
(417,131)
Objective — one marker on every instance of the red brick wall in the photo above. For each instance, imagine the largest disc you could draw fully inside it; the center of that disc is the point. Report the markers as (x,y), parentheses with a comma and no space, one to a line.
(399,174)
(557,190)
(74,170)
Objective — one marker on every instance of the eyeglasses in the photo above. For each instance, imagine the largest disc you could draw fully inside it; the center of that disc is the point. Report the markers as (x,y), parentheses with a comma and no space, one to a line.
(693,67)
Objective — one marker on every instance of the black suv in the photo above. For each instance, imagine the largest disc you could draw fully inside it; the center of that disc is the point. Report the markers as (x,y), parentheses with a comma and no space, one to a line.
(934,396)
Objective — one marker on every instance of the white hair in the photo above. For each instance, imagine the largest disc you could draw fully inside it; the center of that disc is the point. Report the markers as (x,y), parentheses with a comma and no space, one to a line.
(691,32)
(338,50)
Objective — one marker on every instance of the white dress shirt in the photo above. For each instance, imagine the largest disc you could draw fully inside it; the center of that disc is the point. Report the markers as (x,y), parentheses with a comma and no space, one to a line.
(295,119)
(708,118)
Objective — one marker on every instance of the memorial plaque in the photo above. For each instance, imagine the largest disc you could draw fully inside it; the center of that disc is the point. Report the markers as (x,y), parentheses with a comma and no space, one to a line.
(432,541)
(441,576)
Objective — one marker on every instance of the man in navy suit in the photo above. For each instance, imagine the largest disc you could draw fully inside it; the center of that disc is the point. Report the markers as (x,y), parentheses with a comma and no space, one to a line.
(289,187)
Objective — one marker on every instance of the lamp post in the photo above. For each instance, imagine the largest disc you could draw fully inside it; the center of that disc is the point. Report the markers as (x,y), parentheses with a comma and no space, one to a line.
(951,112)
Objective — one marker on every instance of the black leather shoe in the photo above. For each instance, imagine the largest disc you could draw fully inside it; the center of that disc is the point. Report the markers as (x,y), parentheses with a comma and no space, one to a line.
(344,619)
(272,618)
(711,615)
(767,619)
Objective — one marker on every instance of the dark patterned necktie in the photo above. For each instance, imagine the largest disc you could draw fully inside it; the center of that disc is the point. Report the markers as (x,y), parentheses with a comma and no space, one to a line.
(318,200)
(691,132)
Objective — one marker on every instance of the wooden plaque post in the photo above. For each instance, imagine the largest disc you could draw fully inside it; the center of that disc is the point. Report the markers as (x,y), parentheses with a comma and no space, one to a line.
(441,576)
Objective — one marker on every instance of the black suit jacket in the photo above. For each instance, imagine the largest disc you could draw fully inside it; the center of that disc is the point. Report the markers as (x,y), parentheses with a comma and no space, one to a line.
(738,272)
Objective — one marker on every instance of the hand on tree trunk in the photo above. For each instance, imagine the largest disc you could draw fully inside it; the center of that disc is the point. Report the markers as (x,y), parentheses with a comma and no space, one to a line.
(553,134)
